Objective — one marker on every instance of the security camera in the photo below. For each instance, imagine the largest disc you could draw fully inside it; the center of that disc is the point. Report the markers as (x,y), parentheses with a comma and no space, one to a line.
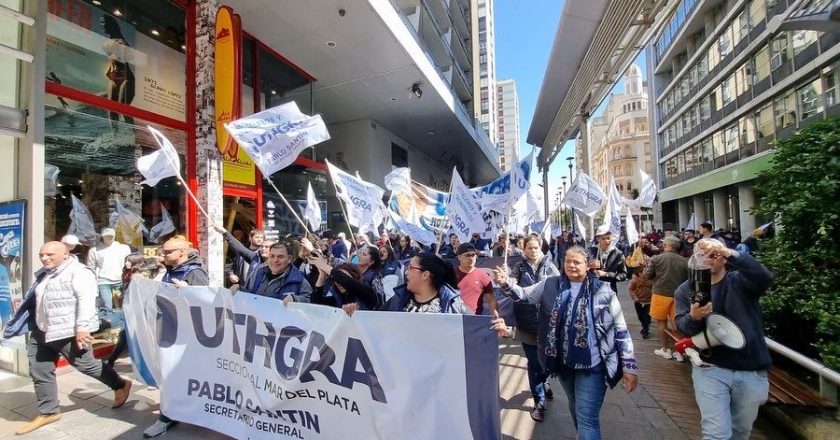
(416,90)
(342,12)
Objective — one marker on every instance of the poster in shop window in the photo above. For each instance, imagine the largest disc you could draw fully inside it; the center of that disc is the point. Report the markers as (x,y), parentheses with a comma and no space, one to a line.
(91,50)
(12,216)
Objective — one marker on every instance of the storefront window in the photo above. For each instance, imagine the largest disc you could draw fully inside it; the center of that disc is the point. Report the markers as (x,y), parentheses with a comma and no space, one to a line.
(93,158)
(130,52)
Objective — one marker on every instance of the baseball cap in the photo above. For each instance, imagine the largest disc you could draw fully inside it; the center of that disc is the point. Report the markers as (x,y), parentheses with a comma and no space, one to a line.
(602,230)
(671,240)
(109,232)
(70,240)
(465,247)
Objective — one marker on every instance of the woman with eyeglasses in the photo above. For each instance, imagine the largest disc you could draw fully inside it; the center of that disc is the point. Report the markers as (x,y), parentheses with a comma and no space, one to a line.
(582,336)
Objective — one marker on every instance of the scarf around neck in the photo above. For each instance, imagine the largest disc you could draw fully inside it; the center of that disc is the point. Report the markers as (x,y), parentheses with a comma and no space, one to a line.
(569,327)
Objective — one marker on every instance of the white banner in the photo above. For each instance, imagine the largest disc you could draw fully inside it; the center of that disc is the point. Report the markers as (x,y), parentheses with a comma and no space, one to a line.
(249,367)
(275,137)
(159,164)
(585,195)
(312,213)
(463,209)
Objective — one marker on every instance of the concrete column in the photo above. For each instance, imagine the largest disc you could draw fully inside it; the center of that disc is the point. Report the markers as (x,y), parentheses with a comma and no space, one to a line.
(683,212)
(719,204)
(746,201)
(700,214)
(208,161)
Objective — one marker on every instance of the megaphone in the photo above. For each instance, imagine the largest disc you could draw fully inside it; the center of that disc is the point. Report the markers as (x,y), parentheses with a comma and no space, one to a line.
(719,330)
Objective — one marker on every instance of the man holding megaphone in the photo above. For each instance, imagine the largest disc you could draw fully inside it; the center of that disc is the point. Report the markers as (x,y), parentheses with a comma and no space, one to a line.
(730,373)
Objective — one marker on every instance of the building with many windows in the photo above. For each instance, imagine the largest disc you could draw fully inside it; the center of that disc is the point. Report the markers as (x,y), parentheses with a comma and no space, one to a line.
(620,140)
(508,118)
(727,80)
(484,48)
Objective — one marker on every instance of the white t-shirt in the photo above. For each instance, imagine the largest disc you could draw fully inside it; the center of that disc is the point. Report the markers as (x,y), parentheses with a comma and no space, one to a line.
(108,261)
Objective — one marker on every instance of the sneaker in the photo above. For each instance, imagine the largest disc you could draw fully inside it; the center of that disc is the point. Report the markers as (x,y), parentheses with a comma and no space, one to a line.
(538,413)
(664,353)
(549,394)
(39,421)
(157,428)
(678,357)
(121,394)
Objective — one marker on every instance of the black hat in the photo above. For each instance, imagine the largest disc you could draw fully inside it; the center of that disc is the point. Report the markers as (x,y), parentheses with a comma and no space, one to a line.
(466,247)
(328,234)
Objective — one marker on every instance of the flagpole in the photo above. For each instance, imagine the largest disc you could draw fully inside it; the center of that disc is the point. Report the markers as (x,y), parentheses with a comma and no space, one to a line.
(282,197)
(343,210)
(439,243)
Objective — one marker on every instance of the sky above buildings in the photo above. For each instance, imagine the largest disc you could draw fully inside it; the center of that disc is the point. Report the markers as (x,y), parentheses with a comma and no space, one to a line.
(525,32)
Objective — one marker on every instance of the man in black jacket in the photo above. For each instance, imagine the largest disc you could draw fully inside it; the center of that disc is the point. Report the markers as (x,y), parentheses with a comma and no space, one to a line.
(607,261)
(730,384)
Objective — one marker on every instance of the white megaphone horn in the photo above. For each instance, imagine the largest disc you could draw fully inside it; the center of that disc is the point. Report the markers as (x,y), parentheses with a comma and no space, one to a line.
(719,330)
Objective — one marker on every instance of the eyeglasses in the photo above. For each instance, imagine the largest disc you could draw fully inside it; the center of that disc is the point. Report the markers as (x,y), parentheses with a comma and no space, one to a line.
(417,268)
(168,251)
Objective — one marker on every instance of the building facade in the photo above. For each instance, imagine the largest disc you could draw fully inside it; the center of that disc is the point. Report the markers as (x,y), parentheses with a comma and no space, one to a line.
(484,47)
(83,80)
(620,138)
(508,123)
(727,80)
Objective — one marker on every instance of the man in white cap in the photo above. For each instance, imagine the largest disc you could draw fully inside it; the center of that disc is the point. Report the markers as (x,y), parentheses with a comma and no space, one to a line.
(606,260)
(70,242)
(107,260)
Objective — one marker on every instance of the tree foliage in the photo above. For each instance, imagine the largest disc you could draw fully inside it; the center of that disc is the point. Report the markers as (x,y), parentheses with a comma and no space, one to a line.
(801,189)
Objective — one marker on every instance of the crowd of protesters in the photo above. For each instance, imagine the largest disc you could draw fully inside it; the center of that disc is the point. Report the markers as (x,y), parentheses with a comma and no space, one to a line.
(556,286)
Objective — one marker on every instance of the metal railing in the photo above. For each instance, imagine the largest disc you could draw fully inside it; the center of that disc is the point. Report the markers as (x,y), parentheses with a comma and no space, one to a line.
(829,379)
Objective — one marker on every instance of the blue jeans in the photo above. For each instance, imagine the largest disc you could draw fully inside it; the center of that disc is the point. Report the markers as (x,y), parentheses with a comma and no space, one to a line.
(585,391)
(106,293)
(728,400)
(536,375)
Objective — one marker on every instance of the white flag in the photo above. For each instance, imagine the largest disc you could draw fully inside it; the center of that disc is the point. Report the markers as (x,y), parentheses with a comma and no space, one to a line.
(399,180)
(691,223)
(463,209)
(362,200)
(81,223)
(585,195)
(165,227)
(160,164)
(312,213)
(128,225)
(275,137)
(580,227)
(519,183)
(612,216)
(647,195)
(630,226)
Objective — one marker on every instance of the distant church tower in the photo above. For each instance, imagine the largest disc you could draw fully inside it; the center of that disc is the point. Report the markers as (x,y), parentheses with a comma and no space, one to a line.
(633,81)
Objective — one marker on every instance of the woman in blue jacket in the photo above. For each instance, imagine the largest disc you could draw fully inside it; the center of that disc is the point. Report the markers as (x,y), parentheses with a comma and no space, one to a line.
(582,337)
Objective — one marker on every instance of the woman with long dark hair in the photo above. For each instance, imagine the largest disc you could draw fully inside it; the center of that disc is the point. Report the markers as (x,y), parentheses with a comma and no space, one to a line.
(120,76)
(406,249)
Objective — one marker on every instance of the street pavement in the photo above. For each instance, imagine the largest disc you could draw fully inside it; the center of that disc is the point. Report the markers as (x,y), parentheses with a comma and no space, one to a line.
(87,413)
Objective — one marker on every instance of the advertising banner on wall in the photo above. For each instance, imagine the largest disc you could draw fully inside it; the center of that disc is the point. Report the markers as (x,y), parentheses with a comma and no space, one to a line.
(12,215)
(91,50)
(250,367)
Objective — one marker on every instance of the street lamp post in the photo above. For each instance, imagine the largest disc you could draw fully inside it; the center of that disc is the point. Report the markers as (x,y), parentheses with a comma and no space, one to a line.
(571,179)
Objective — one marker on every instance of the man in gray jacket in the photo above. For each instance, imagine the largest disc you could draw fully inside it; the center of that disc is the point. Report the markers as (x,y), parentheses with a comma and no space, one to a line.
(64,318)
